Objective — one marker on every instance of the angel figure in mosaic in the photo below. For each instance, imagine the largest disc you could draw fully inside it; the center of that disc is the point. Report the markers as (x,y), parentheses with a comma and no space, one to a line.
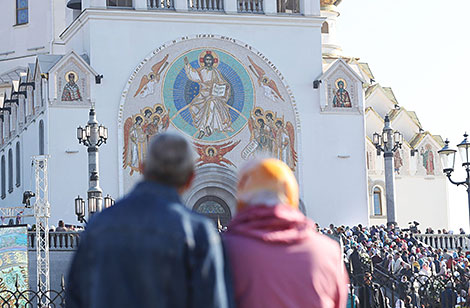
(285,143)
(209,109)
(148,82)
(135,144)
(271,90)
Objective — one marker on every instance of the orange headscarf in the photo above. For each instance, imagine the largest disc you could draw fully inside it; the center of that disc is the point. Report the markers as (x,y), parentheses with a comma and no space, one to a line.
(267,182)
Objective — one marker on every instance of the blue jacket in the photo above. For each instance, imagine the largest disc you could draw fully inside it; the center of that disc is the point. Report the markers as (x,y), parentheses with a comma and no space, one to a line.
(148,250)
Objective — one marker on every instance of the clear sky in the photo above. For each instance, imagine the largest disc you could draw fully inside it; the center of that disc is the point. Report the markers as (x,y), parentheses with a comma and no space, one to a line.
(420,48)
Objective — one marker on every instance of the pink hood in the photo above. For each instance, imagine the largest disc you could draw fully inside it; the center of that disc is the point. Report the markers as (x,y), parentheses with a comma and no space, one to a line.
(279,224)
(278,260)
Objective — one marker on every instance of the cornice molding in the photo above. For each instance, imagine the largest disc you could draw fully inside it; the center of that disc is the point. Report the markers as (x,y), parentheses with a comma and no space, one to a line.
(298,21)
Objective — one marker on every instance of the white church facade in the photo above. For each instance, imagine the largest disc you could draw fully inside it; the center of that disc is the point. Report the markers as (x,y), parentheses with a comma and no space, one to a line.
(240,79)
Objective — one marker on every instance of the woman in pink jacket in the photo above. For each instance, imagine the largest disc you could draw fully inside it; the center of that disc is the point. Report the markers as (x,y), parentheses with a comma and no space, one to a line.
(277,258)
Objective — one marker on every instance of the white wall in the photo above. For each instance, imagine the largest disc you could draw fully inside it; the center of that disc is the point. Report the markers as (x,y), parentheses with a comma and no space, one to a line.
(291,43)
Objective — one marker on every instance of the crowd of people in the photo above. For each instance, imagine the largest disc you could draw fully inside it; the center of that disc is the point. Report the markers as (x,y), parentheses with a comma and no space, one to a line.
(150,250)
(417,270)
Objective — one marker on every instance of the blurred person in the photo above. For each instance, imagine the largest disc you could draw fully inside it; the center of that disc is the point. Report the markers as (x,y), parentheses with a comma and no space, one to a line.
(276,256)
(61,227)
(149,250)
(371,295)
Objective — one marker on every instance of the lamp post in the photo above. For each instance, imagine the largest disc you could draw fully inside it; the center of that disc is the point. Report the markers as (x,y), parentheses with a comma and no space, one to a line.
(447,156)
(92,136)
(388,142)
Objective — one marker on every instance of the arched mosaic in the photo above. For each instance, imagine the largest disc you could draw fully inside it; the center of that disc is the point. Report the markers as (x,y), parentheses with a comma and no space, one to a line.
(226,97)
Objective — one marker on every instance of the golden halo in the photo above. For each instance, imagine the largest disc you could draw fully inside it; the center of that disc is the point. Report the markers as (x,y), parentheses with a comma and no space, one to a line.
(155,116)
(75,79)
(213,149)
(159,105)
(202,54)
(145,109)
(344,82)
(255,108)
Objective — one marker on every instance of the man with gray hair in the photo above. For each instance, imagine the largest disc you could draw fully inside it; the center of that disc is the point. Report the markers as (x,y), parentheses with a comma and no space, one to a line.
(149,250)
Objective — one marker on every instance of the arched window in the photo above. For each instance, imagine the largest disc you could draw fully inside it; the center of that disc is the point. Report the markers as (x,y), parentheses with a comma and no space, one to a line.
(215,208)
(377,201)
(4,183)
(18,165)
(325,28)
(10,170)
(41,137)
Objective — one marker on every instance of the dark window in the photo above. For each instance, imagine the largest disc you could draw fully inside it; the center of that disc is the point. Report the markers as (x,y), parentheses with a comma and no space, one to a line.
(325,28)
(4,183)
(18,165)
(214,208)
(119,3)
(377,201)
(41,137)
(21,12)
(10,170)
(288,6)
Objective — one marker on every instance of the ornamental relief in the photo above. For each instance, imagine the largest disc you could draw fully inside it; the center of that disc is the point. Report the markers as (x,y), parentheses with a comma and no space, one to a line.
(227,98)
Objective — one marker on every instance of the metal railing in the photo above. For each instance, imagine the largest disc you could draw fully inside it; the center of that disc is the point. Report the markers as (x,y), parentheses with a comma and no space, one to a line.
(29,298)
(250,6)
(444,241)
(206,5)
(57,240)
(161,4)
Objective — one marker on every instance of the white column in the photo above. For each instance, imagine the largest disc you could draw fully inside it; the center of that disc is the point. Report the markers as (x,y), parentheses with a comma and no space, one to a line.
(140,4)
(270,7)
(181,5)
(231,6)
(93,4)
(310,8)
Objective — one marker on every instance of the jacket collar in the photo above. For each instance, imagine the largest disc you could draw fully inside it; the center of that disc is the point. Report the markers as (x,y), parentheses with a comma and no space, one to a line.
(158,190)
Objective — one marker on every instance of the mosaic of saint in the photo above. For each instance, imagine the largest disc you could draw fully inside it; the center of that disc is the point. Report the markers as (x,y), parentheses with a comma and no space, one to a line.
(71,90)
(428,159)
(341,98)
(138,129)
(230,100)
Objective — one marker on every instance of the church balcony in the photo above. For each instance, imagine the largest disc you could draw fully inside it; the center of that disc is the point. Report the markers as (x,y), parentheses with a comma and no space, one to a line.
(161,4)
(268,7)
(59,241)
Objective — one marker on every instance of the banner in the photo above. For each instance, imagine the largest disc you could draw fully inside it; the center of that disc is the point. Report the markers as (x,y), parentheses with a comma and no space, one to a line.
(13,258)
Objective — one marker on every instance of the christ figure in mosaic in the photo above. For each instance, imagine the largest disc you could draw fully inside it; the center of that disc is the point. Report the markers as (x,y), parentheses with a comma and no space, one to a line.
(209,109)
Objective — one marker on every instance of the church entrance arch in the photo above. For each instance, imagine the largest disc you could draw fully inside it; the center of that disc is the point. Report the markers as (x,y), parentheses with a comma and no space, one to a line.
(213,193)
(214,208)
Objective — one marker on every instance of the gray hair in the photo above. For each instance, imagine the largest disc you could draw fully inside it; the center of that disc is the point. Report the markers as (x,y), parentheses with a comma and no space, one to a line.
(170,160)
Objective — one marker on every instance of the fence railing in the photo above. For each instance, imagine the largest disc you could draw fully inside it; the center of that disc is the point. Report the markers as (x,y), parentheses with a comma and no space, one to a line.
(206,5)
(57,240)
(29,298)
(250,6)
(161,4)
(444,241)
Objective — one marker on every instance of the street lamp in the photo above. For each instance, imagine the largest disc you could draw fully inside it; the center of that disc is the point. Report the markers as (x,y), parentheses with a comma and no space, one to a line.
(388,142)
(447,156)
(92,136)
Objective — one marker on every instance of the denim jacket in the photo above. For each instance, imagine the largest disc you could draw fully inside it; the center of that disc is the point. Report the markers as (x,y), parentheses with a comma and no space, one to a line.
(148,250)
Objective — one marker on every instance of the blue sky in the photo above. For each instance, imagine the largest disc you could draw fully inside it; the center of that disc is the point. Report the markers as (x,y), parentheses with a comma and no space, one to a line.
(420,48)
